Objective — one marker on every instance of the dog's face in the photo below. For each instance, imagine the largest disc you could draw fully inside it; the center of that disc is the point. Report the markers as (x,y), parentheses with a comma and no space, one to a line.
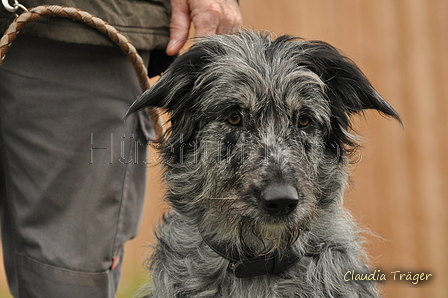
(260,134)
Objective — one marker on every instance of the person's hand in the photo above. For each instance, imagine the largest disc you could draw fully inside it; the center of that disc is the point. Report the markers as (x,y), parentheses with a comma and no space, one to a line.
(208,16)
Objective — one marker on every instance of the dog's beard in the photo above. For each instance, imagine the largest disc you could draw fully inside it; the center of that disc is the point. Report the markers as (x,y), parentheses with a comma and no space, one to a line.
(257,239)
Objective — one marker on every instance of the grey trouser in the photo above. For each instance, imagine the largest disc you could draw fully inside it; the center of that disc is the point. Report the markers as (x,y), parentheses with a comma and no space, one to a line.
(72,172)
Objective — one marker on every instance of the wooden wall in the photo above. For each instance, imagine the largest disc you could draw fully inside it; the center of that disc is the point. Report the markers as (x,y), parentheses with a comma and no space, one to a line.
(399,188)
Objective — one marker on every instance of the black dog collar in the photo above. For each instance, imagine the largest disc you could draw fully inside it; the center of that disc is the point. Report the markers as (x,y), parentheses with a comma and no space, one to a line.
(243,267)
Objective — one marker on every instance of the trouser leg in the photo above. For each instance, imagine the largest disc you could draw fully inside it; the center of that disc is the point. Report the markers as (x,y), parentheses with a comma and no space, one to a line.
(73,171)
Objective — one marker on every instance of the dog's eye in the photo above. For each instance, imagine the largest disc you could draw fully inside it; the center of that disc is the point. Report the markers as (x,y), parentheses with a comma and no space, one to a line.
(235,119)
(304,121)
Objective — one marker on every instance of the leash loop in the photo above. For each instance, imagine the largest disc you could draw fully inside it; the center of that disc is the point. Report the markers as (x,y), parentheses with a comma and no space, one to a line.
(9,7)
(33,14)
(15,6)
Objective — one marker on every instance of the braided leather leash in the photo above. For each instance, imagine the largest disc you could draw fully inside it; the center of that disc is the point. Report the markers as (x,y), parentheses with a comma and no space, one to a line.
(123,43)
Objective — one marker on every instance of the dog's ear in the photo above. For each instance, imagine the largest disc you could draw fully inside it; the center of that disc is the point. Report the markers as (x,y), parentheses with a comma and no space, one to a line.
(347,88)
(172,90)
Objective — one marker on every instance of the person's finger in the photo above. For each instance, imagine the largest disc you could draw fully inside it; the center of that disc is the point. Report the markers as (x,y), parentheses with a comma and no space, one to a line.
(206,19)
(179,26)
(232,19)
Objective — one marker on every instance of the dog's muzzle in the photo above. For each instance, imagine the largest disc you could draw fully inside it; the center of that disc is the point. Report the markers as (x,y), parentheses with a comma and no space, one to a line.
(279,199)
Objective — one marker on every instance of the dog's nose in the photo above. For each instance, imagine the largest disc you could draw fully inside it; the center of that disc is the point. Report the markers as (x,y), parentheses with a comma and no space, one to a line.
(280,199)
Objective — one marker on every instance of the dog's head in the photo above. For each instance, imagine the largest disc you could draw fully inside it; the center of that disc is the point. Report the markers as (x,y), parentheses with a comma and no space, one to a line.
(260,131)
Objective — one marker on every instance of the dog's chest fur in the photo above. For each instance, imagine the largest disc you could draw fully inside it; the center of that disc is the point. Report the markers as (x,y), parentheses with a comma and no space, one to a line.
(192,269)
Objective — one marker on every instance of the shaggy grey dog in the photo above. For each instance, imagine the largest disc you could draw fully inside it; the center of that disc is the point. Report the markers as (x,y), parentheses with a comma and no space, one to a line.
(256,166)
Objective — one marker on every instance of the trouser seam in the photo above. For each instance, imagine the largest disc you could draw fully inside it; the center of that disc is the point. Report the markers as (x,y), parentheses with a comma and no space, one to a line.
(116,245)
(7,203)
(56,268)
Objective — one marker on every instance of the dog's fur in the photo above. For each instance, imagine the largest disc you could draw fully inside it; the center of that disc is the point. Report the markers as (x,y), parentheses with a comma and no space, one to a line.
(249,113)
